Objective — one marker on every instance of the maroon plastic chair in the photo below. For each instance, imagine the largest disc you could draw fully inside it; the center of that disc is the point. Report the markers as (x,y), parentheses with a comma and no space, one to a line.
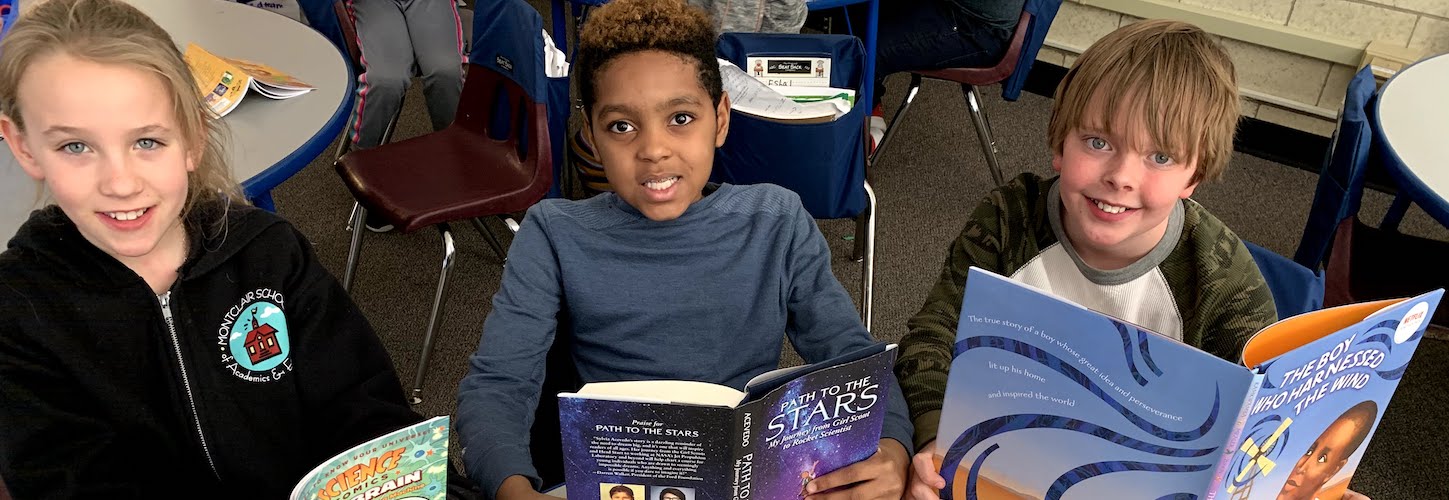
(470,170)
(969,78)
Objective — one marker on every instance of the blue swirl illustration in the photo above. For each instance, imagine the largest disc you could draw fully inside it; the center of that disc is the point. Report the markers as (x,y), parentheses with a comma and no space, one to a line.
(1267,368)
(1001,425)
(1085,472)
(971,479)
(1394,374)
(1127,350)
(1382,339)
(1058,365)
(1146,355)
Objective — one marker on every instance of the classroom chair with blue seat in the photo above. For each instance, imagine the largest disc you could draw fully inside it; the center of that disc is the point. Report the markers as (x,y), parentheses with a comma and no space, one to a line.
(1296,289)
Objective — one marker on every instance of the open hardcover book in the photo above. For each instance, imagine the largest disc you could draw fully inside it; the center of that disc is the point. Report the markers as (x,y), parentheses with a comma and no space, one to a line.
(409,463)
(1047,399)
(710,442)
(223,82)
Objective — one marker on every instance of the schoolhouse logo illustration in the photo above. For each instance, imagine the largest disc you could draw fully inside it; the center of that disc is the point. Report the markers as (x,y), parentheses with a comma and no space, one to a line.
(253,337)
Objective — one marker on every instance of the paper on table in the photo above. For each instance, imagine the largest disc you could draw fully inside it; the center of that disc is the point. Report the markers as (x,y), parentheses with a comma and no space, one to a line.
(751,96)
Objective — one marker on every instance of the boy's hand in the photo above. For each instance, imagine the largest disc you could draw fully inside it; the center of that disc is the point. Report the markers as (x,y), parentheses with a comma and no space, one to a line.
(519,488)
(1354,495)
(883,475)
(925,482)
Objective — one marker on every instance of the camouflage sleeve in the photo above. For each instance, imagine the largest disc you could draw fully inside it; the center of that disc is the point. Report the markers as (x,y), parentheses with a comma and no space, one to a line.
(1236,303)
(926,350)
(1223,297)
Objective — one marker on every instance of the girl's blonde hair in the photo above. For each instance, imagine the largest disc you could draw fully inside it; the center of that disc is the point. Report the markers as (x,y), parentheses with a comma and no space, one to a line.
(1174,80)
(112,32)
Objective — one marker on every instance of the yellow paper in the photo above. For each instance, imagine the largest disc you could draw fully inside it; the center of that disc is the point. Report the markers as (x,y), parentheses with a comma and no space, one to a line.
(223,82)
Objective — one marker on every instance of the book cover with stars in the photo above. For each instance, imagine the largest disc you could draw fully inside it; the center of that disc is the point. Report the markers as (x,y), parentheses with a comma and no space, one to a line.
(409,463)
(1048,399)
(697,441)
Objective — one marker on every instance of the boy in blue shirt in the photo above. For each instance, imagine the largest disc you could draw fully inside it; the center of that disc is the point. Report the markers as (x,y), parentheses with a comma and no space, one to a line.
(667,278)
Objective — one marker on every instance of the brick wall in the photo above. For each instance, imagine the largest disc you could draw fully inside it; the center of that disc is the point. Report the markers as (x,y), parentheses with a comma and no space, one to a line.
(1305,82)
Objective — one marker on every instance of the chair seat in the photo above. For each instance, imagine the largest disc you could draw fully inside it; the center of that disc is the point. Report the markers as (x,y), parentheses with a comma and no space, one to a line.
(989,75)
(469,175)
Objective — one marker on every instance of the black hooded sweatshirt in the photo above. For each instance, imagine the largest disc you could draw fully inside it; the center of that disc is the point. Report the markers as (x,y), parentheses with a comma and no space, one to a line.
(255,366)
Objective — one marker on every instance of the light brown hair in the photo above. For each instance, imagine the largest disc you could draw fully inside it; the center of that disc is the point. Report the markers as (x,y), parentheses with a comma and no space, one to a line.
(1173,79)
(113,32)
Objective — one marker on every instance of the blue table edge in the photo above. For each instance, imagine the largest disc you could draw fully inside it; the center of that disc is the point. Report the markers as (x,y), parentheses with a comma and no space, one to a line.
(1407,181)
(259,187)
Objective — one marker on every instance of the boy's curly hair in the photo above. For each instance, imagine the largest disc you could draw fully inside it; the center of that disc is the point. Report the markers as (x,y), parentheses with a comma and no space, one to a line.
(626,26)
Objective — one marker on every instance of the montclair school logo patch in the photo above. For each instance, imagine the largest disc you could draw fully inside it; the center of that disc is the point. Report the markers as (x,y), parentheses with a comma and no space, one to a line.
(253,337)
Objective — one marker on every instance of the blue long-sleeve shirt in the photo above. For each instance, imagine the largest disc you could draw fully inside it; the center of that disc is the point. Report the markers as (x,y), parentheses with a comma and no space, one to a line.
(710,296)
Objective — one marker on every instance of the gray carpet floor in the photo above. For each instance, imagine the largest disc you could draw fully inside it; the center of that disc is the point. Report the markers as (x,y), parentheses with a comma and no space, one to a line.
(928,181)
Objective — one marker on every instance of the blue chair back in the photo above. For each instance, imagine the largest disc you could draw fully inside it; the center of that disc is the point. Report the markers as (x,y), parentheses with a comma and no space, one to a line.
(822,162)
(1296,289)
(321,17)
(508,39)
(1042,13)
(1340,182)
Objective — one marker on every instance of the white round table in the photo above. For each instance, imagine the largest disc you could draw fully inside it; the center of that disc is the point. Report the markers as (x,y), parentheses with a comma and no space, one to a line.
(1413,125)
(269,140)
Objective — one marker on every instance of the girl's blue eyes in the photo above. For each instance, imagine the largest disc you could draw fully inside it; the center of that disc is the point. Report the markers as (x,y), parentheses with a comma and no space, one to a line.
(76,148)
(1161,159)
(1096,143)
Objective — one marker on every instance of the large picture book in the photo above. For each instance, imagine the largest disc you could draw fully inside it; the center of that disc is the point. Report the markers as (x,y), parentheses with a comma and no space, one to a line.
(699,441)
(408,463)
(1048,399)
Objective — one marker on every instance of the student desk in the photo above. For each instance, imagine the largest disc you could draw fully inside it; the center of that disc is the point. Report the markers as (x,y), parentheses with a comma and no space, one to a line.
(267,140)
(1411,120)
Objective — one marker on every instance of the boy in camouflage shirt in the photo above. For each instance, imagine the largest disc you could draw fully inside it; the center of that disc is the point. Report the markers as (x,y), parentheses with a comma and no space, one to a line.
(1144,115)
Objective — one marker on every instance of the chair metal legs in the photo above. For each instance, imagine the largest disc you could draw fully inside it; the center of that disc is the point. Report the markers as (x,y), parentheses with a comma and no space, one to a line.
(983,131)
(492,239)
(915,88)
(978,118)
(439,298)
(354,251)
(867,269)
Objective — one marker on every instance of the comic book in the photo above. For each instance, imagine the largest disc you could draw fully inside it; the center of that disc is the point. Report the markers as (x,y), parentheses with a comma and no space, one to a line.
(1048,399)
(223,82)
(409,463)
(700,441)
